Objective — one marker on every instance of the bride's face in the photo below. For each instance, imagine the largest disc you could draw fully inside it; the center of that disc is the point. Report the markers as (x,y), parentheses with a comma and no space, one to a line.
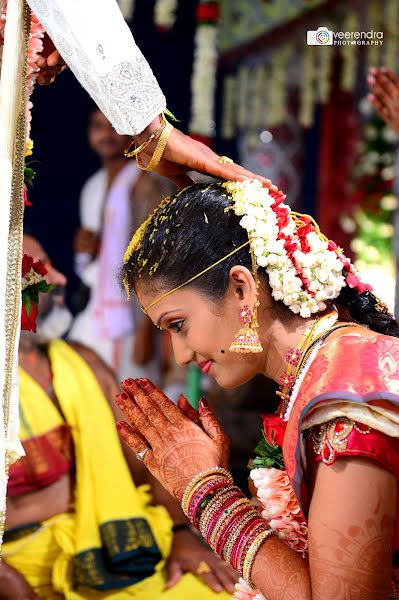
(201,332)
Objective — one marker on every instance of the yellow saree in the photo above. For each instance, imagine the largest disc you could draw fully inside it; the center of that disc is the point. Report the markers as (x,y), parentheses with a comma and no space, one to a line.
(114,544)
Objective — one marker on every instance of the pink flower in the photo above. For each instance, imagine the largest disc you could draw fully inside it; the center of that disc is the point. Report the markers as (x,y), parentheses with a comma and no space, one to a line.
(243,592)
(35,47)
(279,506)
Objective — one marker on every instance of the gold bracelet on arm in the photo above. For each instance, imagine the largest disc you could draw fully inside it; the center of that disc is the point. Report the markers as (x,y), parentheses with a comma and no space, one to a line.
(159,149)
(137,149)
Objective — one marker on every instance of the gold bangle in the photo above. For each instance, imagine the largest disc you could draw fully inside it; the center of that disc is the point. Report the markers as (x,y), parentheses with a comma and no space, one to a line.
(224,517)
(228,548)
(159,149)
(251,555)
(200,477)
(129,153)
(199,484)
(209,511)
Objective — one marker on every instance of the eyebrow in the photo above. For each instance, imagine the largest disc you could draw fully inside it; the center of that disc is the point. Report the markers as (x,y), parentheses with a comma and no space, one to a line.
(158,323)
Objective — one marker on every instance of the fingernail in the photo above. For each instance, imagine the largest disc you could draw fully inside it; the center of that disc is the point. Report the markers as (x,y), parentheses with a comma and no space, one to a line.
(119,426)
(203,403)
(146,384)
(130,383)
(124,396)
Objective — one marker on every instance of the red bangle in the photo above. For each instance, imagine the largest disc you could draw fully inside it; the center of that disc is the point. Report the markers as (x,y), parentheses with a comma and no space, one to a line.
(256,529)
(200,494)
(245,533)
(224,534)
(226,503)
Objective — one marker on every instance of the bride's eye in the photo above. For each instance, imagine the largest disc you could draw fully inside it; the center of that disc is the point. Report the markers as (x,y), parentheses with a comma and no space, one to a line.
(176,326)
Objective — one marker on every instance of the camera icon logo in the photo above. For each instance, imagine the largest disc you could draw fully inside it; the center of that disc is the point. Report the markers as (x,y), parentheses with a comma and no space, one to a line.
(321,37)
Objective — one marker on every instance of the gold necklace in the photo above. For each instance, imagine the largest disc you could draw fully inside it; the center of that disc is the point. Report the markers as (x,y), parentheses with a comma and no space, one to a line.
(295,357)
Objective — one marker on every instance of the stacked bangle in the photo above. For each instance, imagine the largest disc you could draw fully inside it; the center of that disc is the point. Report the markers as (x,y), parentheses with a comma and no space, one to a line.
(226,519)
(137,149)
(197,480)
(162,132)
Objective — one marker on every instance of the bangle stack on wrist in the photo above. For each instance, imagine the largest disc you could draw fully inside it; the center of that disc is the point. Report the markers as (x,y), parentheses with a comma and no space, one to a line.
(162,133)
(226,519)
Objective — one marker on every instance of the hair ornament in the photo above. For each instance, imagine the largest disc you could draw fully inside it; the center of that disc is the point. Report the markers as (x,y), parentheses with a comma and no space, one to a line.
(305,269)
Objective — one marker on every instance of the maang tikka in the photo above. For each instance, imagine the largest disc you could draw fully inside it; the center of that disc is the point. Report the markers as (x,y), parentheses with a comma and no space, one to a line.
(247,340)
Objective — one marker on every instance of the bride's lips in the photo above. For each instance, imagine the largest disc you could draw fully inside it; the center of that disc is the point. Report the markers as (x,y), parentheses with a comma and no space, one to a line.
(205,365)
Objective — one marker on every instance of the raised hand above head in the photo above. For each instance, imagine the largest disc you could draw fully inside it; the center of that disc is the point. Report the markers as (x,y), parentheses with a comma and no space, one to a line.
(50,62)
(384,96)
(171,445)
(183,154)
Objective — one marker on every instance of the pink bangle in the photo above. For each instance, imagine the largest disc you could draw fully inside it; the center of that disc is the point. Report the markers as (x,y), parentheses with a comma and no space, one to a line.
(200,495)
(252,536)
(226,503)
(244,543)
(225,533)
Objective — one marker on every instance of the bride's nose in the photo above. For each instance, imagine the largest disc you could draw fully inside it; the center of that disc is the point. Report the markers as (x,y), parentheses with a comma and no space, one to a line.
(182,353)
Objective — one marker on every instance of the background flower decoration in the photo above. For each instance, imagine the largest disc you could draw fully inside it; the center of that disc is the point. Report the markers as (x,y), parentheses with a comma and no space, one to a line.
(165,14)
(374,201)
(203,82)
(33,282)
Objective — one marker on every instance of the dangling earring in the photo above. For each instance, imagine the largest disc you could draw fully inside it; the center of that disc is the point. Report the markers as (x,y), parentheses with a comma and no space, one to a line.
(247,339)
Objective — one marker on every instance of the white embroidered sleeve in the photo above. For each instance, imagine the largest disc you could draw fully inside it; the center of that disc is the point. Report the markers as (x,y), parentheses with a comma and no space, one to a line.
(98,46)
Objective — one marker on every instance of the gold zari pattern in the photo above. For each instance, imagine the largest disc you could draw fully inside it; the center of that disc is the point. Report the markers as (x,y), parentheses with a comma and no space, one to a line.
(332,437)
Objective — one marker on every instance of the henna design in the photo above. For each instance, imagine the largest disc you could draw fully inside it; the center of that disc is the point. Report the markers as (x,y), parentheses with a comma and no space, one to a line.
(181,449)
(166,406)
(281,573)
(356,563)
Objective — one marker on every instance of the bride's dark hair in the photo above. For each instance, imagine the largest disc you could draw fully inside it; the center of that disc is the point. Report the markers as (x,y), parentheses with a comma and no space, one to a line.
(194,230)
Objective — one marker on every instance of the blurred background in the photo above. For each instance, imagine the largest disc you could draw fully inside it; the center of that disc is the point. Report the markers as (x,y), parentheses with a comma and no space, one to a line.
(267,83)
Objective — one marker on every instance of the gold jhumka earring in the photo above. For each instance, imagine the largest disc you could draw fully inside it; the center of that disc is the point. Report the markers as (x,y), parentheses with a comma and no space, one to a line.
(247,341)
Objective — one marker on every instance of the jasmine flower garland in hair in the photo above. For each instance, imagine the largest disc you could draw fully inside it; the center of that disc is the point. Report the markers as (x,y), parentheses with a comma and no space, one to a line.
(305,269)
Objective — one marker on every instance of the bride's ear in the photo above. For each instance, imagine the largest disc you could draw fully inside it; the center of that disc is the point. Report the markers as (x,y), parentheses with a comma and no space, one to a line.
(241,285)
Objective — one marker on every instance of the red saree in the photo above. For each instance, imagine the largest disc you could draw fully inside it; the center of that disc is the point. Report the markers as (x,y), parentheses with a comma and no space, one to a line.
(360,370)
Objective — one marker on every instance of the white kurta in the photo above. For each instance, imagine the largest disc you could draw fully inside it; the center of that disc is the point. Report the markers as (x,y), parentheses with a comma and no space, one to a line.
(99,48)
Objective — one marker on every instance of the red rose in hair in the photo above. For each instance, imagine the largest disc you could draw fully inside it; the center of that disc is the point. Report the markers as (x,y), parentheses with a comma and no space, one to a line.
(274,428)
(28,322)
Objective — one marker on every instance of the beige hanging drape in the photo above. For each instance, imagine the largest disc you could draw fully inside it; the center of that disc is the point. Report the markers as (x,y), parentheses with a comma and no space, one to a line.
(12,151)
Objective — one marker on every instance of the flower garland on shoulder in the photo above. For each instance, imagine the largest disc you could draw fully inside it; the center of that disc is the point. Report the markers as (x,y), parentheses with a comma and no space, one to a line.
(274,496)
(33,282)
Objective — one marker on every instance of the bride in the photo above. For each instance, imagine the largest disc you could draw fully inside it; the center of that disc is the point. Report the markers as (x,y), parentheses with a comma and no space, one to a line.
(245,286)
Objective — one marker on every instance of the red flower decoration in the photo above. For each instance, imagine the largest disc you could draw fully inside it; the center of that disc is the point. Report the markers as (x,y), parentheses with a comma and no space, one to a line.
(28,321)
(353,282)
(28,263)
(26,201)
(208,11)
(274,428)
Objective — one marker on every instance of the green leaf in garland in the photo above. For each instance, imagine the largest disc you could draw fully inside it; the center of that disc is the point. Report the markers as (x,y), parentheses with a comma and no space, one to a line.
(29,175)
(268,455)
(28,305)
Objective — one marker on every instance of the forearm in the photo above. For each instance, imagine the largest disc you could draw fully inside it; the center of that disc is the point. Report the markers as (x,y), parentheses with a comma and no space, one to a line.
(280,573)
(97,45)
